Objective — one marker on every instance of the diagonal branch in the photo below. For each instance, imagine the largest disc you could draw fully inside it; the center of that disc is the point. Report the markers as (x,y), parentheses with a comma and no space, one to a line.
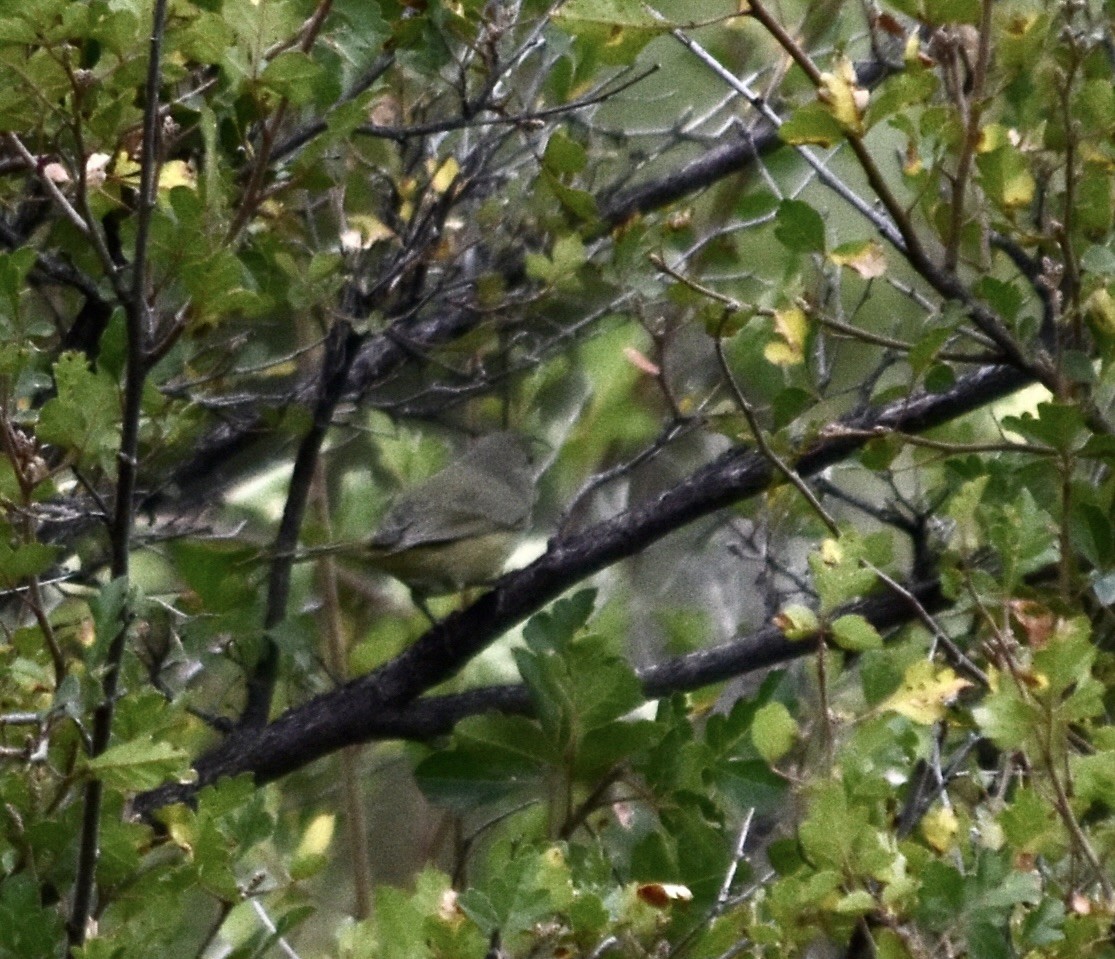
(356,711)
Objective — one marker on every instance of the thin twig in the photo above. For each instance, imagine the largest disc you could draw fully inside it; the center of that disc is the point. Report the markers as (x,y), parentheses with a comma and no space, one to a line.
(745,406)
(971,106)
(51,187)
(944,446)
(529,118)
(955,655)
(878,220)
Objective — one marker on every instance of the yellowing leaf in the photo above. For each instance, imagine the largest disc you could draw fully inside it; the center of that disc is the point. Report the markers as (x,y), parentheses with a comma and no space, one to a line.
(867,258)
(318,835)
(363,231)
(445,175)
(832,553)
(844,99)
(177,173)
(1006,177)
(939,827)
(310,857)
(811,123)
(791,327)
(1018,190)
(925,693)
(991,137)
(1100,310)
(780,354)
(797,622)
(125,168)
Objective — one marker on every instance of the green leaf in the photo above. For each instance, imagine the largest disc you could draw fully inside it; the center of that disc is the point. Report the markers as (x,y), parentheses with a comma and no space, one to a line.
(293,75)
(1057,425)
(1004,298)
(1030,824)
(17,563)
(579,205)
(84,415)
(838,569)
(899,93)
(14,268)
(139,764)
(938,12)
(855,634)
(1044,925)
(614,30)
(799,227)
(556,627)
(605,746)
(516,895)
(773,731)
(1005,176)
(27,929)
(491,757)
(107,607)
(401,926)
(1006,720)
(813,124)
(1094,210)
(564,155)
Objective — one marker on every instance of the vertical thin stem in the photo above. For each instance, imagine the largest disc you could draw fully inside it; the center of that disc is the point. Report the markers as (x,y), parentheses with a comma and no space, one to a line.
(356,819)
(137,321)
(972,107)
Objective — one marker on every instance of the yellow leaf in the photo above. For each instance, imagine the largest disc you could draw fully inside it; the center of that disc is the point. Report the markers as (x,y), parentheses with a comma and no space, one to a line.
(781,355)
(844,99)
(125,168)
(1100,310)
(177,173)
(867,258)
(832,553)
(925,693)
(445,175)
(791,327)
(939,827)
(310,858)
(318,835)
(991,137)
(363,231)
(1018,189)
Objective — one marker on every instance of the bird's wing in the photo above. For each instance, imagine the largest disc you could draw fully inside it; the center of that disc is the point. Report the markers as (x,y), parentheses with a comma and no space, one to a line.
(440,526)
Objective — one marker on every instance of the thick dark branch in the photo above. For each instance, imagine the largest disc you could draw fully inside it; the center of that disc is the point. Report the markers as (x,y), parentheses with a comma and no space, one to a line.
(428,718)
(357,711)
(433,716)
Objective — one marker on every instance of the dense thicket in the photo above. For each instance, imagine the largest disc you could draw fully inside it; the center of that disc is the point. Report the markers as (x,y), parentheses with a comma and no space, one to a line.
(806,311)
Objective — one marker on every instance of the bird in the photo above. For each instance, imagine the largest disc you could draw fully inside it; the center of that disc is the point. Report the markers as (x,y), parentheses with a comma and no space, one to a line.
(457,528)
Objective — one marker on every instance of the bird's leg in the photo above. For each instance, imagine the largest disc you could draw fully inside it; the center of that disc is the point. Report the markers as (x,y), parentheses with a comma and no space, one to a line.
(419,600)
